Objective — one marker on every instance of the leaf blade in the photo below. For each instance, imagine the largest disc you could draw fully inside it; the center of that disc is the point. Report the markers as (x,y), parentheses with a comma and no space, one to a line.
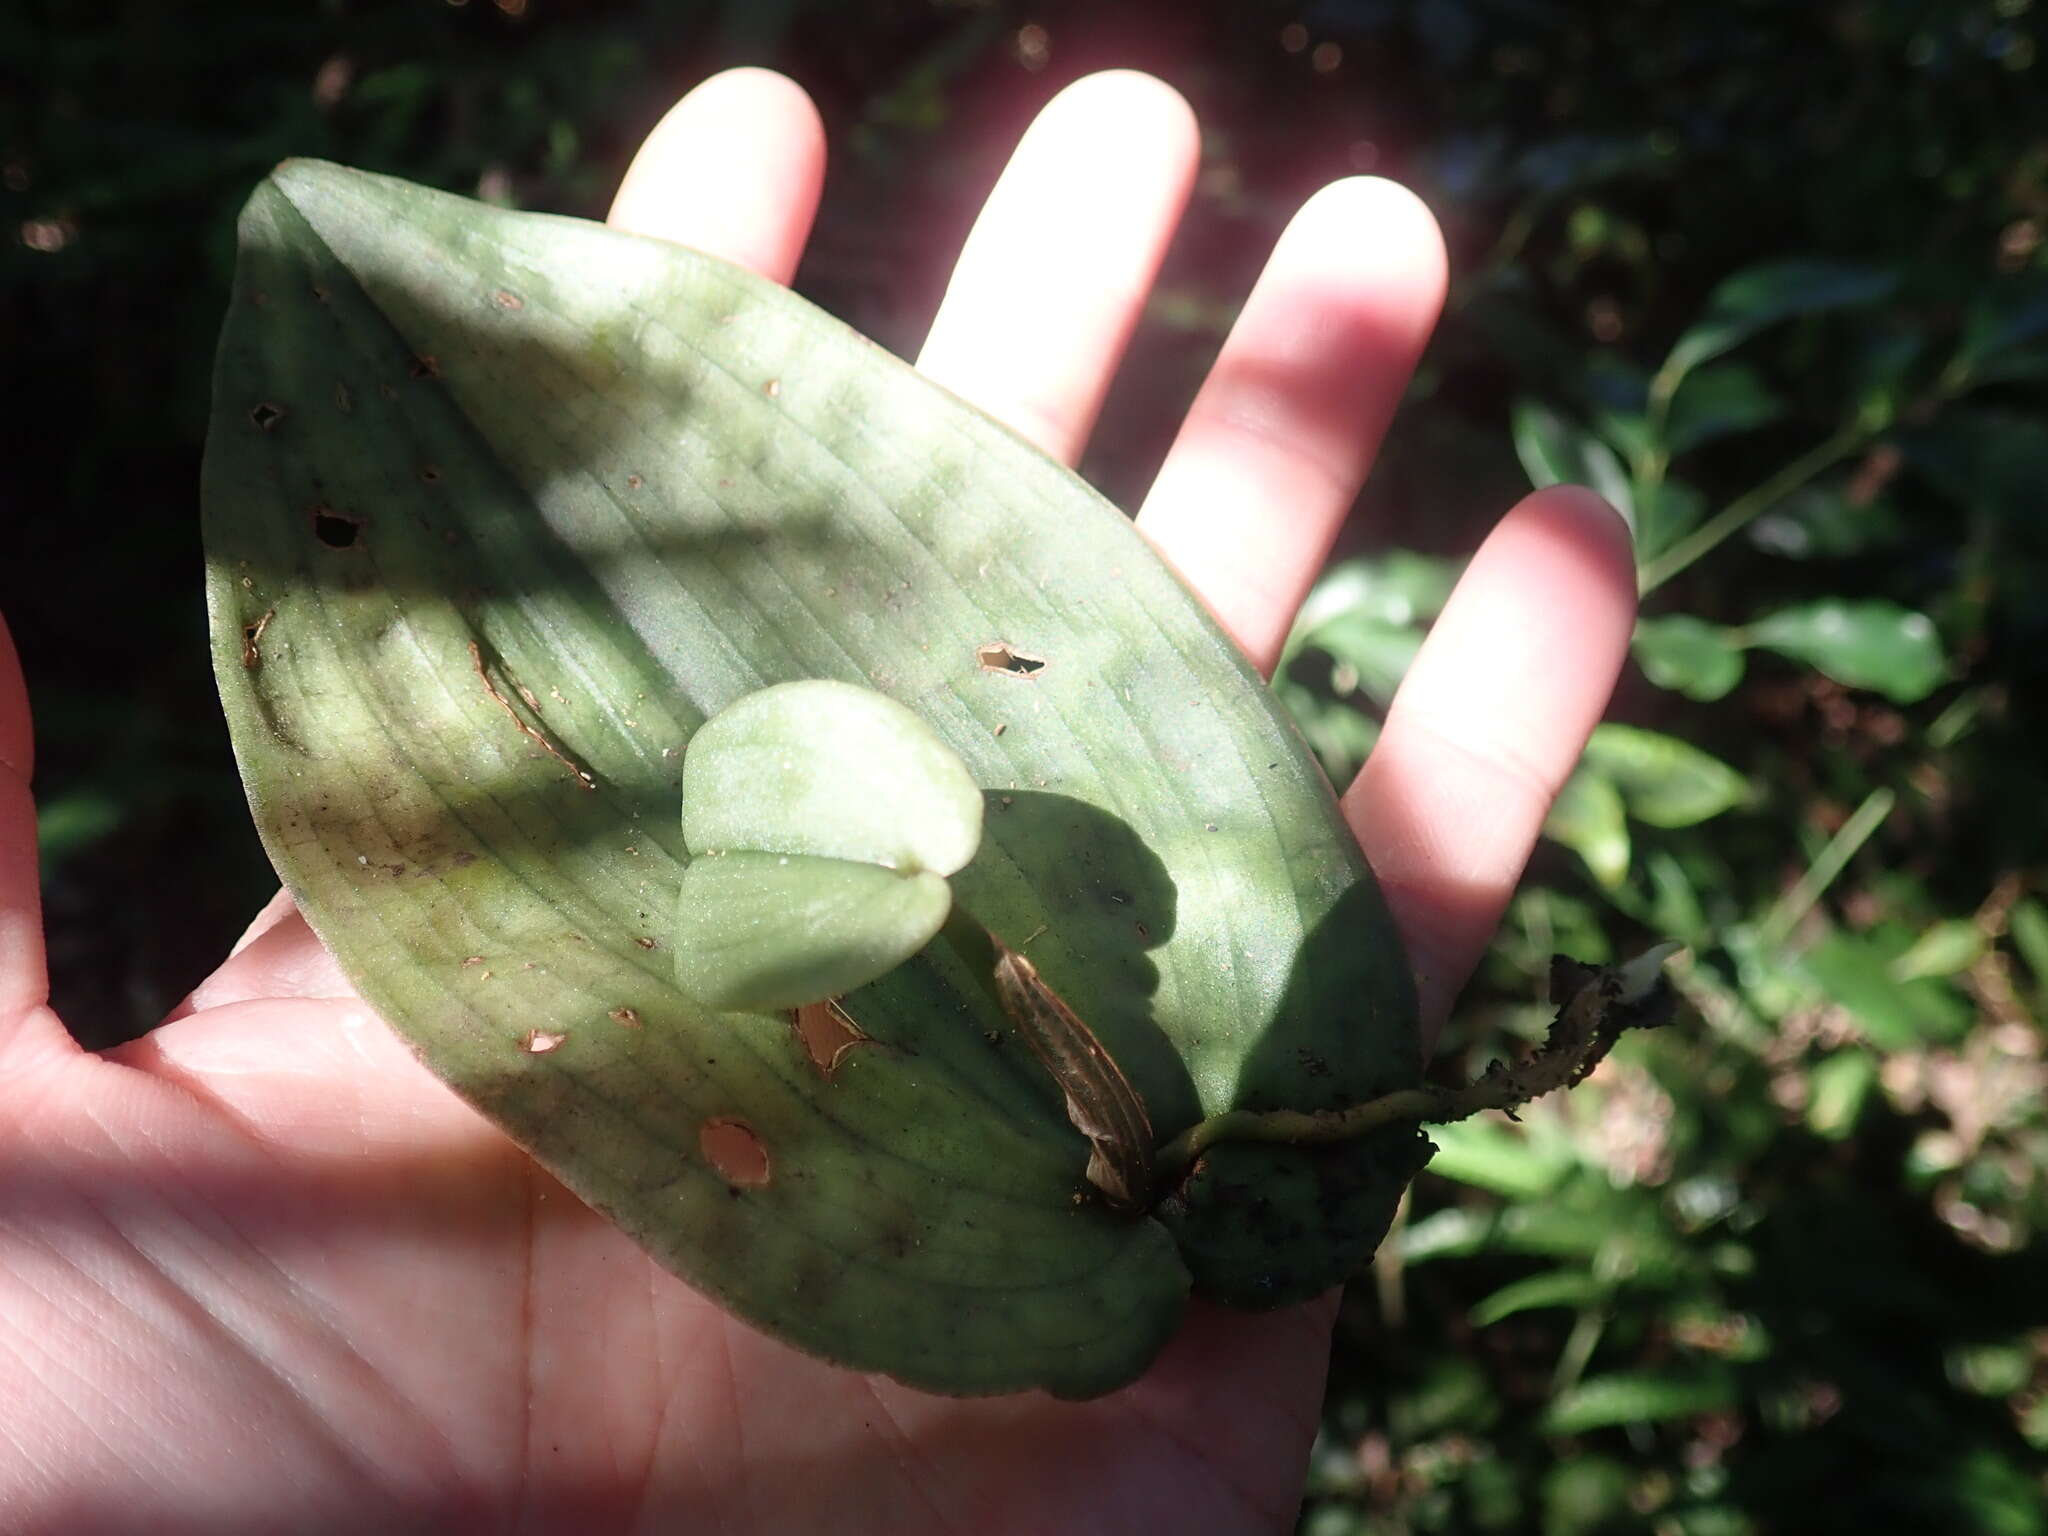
(559,444)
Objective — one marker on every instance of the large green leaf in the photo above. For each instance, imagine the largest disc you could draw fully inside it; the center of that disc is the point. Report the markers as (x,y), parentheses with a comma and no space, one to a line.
(500,508)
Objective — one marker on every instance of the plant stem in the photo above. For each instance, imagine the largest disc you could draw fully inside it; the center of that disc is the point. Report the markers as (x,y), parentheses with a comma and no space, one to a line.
(1602,1004)
(1744,509)
(1778,924)
(1306,1128)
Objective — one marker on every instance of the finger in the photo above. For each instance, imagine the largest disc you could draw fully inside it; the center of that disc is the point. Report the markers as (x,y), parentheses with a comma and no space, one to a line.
(279,957)
(734,170)
(1057,268)
(1277,443)
(276,910)
(1488,724)
(28,1029)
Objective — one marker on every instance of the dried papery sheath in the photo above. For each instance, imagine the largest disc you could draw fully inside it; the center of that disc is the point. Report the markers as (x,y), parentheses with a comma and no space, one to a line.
(1101,1102)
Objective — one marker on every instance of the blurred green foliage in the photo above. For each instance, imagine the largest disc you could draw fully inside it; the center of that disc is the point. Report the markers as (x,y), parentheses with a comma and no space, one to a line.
(1770,277)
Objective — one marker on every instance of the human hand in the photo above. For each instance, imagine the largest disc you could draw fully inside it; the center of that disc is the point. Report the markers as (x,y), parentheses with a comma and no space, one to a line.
(259,1271)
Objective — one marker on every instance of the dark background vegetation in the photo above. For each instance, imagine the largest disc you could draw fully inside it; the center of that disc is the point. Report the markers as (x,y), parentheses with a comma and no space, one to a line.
(1770,275)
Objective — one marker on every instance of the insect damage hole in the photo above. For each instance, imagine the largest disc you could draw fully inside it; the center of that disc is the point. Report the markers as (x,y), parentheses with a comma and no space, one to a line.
(337,530)
(1001,656)
(263,416)
(734,1152)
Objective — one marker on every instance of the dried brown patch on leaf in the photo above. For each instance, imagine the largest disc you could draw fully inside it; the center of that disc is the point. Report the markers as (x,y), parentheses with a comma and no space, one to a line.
(826,1033)
(734,1152)
(476,660)
(1100,1100)
(252,639)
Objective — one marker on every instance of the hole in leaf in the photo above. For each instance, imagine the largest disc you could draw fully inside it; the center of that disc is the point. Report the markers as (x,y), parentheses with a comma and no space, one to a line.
(337,530)
(430,473)
(424,366)
(1001,656)
(265,415)
(826,1034)
(735,1152)
(538,1042)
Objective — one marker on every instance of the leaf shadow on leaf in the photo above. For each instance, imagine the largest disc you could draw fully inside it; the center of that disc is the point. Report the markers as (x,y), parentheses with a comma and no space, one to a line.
(440,499)
(1263,1225)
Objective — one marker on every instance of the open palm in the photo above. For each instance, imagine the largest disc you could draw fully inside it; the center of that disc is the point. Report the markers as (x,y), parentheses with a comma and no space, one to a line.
(260,1272)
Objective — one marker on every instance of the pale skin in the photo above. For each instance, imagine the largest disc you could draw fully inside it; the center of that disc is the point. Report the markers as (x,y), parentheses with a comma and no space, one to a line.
(259,1271)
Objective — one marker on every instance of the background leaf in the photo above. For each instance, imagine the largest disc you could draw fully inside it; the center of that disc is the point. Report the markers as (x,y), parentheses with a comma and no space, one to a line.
(1590,819)
(1552,1288)
(1638,1397)
(1715,402)
(1867,644)
(1700,660)
(1763,295)
(1661,780)
(1554,451)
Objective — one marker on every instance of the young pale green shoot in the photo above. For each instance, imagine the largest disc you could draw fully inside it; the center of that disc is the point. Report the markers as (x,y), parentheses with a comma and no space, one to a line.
(821,820)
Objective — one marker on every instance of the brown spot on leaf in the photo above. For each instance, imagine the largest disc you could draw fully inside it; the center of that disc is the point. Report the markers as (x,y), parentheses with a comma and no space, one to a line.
(772,388)
(646,943)
(252,637)
(423,365)
(505,298)
(634,482)
(734,1152)
(430,473)
(538,1042)
(826,1033)
(1001,656)
(626,1016)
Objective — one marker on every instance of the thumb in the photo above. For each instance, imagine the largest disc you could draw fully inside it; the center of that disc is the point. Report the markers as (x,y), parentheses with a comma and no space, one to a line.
(27,1027)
